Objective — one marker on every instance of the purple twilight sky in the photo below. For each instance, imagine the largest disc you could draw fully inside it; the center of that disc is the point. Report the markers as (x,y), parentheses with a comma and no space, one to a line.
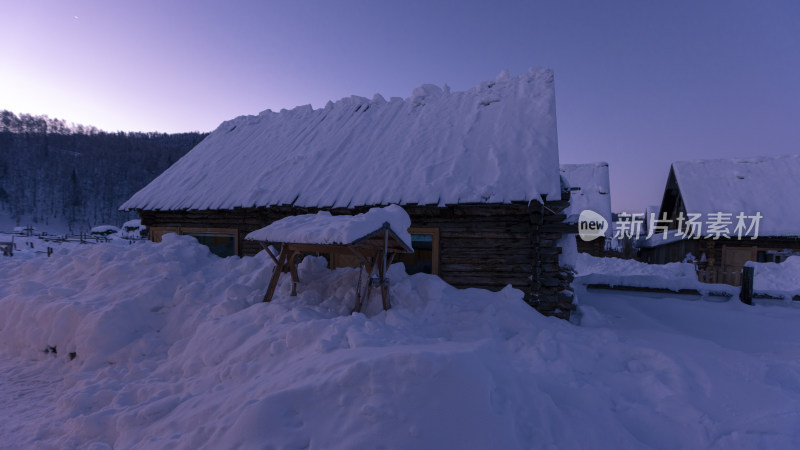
(639,84)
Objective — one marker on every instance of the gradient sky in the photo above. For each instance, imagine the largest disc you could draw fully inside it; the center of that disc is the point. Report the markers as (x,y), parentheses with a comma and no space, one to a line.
(639,83)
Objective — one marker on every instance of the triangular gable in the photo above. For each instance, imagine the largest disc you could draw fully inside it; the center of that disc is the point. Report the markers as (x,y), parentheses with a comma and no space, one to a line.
(768,186)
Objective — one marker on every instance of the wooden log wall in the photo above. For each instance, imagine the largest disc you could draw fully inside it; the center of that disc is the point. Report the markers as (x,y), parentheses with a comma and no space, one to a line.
(596,247)
(480,245)
(551,290)
(676,251)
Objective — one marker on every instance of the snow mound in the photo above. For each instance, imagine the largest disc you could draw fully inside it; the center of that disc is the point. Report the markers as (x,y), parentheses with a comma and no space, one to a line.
(588,264)
(780,280)
(168,346)
(777,279)
(627,272)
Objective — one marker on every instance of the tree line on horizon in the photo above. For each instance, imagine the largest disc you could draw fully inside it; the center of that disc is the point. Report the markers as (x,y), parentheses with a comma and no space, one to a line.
(52,172)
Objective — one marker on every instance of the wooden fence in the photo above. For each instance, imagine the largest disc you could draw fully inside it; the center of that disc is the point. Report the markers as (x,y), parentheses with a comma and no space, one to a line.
(718,275)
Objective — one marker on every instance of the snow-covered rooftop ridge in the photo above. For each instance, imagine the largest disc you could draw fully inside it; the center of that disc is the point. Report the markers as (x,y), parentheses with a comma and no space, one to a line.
(589,189)
(767,185)
(324,228)
(496,142)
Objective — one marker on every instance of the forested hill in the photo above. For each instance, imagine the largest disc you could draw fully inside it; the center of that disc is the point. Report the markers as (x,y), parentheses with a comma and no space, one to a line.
(52,172)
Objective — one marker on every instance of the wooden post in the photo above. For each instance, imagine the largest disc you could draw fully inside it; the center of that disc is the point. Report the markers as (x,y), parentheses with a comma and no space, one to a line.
(382,282)
(276,273)
(384,268)
(746,294)
(357,307)
(365,267)
(293,272)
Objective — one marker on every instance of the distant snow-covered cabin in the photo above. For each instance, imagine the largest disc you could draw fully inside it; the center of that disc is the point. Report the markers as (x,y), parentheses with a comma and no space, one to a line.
(719,191)
(589,189)
(477,171)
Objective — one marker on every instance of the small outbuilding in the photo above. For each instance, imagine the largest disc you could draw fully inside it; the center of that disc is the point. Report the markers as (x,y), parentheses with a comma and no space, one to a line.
(589,189)
(476,171)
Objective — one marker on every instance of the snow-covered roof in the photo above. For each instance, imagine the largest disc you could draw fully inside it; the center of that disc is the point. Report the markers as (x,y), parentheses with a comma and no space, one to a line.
(496,142)
(324,228)
(104,229)
(589,188)
(132,224)
(768,185)
(650,211)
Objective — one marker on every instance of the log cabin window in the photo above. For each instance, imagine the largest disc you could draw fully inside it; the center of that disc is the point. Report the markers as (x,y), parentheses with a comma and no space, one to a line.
(222,245)
(425,258)
(222,242)
(774,255)
(156,233)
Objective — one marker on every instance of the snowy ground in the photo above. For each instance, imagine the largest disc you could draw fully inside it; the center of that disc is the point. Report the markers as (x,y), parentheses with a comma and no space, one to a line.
(27,247)
(173,350)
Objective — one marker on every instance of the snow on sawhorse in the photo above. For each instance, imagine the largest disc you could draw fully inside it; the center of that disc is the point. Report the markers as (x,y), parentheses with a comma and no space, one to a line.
(373,238)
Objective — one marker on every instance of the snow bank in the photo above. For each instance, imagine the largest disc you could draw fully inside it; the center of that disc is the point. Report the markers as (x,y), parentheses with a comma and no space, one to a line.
(588,264)
(324,228)
(777,279)
(780,280)
(628,272)
(496,142)
(27,247)
(172,349)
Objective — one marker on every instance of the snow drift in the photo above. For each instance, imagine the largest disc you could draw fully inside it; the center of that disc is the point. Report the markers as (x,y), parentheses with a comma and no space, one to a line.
(167,346)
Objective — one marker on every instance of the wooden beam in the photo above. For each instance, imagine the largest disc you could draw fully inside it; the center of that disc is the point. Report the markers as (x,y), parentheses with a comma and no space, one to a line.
(276,273)
(269,252)
(360,255)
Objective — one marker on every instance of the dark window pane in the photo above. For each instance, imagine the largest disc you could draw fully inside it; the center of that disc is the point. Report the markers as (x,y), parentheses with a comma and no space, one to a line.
(422,258)
(222,245)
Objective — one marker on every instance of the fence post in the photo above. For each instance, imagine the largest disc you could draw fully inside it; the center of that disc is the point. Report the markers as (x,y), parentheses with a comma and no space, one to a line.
(746,294)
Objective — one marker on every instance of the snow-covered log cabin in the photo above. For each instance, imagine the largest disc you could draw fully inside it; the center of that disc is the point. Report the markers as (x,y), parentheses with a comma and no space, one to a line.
(477,171)
(589,189)
(743,210)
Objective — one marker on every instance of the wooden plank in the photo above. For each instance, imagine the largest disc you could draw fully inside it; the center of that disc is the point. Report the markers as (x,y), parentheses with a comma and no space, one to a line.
(472,234)
(454,226)
(499,260)
(496,244)
(555,218)
(495,268)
